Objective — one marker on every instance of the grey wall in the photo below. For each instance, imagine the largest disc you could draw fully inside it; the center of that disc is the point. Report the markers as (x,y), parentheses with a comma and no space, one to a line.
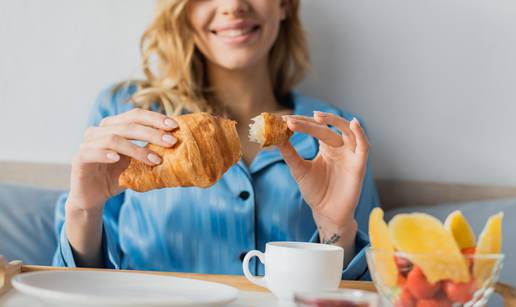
(55,56)
(434,80)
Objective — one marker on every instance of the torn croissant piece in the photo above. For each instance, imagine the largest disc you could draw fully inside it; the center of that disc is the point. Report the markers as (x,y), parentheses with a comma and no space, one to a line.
(207,146)
(269,129)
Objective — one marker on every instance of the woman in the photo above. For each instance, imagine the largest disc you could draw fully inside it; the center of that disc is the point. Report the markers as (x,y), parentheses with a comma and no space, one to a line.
(232,57)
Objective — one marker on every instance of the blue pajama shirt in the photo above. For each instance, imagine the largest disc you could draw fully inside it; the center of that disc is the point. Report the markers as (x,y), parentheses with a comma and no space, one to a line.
(209,230)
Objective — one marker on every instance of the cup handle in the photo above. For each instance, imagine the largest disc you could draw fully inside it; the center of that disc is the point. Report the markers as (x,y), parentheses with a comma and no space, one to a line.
(259,281)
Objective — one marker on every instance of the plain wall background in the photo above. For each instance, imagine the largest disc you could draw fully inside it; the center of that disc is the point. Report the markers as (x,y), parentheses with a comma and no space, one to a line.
(435,80)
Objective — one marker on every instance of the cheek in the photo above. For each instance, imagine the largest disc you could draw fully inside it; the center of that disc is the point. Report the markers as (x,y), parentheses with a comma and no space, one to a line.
(198,18)
(271,31)
(272,15)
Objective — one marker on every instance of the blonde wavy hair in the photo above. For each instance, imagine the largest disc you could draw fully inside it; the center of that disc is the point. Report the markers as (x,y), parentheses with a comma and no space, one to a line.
(175,69)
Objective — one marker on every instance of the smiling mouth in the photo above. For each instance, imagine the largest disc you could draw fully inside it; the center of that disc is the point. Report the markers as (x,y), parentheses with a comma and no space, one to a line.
(234,33)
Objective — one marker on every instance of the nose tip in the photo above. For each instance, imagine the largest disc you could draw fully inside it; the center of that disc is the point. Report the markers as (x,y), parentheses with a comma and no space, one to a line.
(235,7)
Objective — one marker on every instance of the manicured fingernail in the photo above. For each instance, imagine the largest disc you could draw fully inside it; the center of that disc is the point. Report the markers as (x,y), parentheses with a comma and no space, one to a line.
(356,121)
(320,114)
(167,138)
(113,156)
(170,123)
(154,158)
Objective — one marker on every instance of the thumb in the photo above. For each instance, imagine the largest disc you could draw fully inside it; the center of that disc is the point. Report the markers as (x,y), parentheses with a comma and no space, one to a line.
(298,167)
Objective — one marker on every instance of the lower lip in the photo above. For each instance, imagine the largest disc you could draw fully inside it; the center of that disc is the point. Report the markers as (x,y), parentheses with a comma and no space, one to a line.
(238,40)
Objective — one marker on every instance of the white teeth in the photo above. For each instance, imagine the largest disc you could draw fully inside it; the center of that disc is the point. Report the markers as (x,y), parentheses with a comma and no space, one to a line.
(234,33)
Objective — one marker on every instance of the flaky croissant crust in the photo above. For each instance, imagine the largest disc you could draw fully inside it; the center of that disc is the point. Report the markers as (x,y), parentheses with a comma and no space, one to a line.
(276,131)
(207,146)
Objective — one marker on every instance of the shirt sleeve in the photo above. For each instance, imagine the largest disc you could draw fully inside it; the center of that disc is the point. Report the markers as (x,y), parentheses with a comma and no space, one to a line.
(109,102)
(357,268)
(111,251)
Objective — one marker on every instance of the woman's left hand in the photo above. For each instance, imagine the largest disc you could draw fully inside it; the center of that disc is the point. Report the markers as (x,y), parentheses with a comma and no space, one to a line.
(330,183)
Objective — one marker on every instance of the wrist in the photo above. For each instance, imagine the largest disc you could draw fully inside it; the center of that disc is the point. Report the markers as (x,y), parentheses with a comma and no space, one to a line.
(83,229)
(83,206)
(343,236)
(337,234)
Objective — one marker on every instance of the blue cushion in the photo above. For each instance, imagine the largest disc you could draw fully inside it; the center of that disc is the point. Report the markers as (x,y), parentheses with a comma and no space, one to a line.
(27,223)
(477,213)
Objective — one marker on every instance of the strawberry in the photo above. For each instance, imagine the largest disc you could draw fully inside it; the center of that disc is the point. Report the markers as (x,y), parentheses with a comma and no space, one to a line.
(405,299)
(419,286)
(469,252)
(459,292)
(401,280)
(403,264)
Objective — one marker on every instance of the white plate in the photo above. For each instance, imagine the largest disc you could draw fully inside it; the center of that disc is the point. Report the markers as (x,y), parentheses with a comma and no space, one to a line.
(96,288)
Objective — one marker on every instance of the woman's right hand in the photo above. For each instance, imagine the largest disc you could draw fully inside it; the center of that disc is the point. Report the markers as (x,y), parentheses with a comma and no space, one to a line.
(106,151)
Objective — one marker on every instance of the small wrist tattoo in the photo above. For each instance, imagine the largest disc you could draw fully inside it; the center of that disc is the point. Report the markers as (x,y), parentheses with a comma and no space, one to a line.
(332,240)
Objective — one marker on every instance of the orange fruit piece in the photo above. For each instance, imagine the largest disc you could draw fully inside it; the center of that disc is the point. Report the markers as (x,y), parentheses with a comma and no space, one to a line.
(459,292)
(405,299)
(383,247)
(459,227)
(425,241)
(419,286)
(489,242)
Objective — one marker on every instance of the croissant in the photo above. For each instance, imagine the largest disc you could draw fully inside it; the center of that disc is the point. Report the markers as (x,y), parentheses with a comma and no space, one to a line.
(207,146)
(269,129)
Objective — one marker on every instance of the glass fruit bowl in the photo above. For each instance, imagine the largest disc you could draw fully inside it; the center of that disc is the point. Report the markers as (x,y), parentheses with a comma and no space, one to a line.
(337,298)
(418,280)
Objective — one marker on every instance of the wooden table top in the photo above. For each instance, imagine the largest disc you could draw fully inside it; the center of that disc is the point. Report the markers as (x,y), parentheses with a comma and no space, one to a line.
(506,291)
(237,281)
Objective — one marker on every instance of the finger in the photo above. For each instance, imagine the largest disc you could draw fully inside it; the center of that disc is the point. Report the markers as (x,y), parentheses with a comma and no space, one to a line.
(299,117)
(347,138)
(133,131)
(339,123)
(321,132)
(298,167)
(144,117)
(124,147)
(94,155)
(362,142)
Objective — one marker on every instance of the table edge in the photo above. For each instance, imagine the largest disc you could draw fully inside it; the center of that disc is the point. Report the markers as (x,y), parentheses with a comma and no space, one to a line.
(237,281)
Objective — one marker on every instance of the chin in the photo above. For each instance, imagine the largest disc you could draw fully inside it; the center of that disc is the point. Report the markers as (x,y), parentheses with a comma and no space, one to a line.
(238,61)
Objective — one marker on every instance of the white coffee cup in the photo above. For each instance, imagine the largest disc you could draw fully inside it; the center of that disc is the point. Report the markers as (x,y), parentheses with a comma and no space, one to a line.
(297,266)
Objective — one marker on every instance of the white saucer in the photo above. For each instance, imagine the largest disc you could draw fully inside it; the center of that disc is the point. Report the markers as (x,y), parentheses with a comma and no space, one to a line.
(97,288)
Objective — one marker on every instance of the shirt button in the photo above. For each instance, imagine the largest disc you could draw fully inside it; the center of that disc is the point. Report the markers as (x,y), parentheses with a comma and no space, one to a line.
(244,195)
(242,256)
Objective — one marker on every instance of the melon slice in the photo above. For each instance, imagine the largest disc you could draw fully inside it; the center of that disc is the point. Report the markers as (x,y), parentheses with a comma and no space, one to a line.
(382,244)
(459,227)
(489,242)
(427,244)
